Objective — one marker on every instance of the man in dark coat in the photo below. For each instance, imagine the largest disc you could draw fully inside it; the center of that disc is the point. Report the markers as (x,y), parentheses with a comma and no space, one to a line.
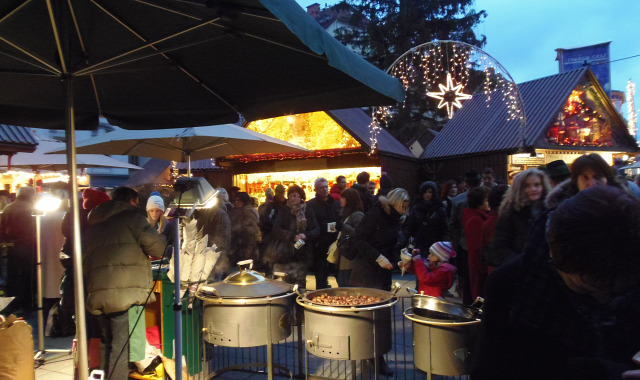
(18,228)
(118,272)
(327,213)
(362,184)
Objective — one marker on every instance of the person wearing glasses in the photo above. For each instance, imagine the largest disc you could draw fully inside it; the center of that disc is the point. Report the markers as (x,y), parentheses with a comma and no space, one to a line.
(569,309)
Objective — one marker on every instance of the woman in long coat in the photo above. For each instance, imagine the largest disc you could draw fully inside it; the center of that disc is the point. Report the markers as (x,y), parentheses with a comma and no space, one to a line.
(350,218)
(378,240)
(244,229)
(523,203)
(288,249)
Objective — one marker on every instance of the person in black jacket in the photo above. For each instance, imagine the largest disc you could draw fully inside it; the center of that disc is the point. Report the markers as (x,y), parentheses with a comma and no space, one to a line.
(327,213)
(362,184)
(427,220)
(523,203)
(378,239)
(568,310)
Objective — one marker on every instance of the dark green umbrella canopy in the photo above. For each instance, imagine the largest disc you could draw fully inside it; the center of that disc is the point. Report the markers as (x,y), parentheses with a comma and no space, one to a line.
(167,63)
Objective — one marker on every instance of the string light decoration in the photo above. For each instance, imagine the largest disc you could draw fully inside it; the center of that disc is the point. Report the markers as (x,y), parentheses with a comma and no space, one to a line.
(464,69)
(631,108)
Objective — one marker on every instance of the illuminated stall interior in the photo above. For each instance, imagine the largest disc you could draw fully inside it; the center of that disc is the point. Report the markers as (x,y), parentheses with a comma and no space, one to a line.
(256,183)
(13,179)
(315,131)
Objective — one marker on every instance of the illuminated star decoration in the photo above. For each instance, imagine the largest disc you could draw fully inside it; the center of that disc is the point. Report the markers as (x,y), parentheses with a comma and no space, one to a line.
(449,95)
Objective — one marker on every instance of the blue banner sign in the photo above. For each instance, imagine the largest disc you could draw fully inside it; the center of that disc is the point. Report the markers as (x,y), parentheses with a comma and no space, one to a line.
(595,56)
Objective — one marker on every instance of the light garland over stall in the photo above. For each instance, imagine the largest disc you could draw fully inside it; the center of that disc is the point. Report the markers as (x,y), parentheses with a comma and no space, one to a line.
(442,70)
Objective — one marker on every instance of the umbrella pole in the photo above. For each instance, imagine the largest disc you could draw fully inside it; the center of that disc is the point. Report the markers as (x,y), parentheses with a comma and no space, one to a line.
(81,323)
(188,165)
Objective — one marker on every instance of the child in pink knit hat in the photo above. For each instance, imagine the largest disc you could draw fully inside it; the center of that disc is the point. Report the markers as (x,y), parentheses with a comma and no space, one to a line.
(435,274)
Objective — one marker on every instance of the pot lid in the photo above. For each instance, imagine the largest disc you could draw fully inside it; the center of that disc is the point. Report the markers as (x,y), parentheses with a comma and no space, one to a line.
(247,283)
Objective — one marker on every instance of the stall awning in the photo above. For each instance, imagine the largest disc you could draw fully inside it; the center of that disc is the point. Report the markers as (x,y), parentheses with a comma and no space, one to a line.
(15,139)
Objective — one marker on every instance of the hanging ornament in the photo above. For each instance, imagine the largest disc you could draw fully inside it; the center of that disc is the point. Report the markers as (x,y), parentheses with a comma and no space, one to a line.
(449,95)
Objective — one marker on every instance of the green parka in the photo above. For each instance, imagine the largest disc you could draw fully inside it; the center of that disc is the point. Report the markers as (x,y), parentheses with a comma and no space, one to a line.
(116,263)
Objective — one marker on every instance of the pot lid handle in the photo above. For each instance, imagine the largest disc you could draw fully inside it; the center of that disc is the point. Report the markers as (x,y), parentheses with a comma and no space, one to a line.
(245,264)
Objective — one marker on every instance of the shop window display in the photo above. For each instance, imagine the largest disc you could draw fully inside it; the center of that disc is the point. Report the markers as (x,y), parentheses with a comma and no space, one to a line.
(256,183)
(583,120)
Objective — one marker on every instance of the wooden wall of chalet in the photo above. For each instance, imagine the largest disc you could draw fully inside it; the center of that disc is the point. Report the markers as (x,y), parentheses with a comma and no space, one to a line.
(217,178)
(441,170)
(403,172)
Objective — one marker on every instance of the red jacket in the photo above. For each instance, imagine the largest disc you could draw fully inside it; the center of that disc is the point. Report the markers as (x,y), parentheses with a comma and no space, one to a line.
(434,281)
(472,220)
(335,191)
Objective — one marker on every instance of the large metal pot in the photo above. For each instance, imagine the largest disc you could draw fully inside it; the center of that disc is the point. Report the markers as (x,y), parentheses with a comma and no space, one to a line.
(348,332)
(443,333)
(436,308)
(246,309)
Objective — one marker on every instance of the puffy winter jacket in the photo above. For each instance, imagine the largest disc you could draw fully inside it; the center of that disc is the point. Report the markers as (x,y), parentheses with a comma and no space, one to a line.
(116,262)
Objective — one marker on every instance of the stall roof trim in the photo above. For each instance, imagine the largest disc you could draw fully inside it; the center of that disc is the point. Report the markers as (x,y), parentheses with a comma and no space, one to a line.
(483,126)
(15,139)
(356,122)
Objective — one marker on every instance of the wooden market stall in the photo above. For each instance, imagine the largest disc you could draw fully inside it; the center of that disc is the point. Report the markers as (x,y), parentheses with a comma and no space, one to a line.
(567,115)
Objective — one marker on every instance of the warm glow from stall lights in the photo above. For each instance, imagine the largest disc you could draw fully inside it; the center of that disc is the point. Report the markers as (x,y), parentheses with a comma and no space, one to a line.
(312,131)
(211,202)
(47,203)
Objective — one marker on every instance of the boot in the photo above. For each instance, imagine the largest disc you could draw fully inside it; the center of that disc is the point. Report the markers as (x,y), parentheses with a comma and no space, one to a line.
(383,368)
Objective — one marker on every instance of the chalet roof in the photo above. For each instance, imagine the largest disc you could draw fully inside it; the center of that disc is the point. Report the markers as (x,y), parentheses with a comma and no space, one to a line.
(356,122)
(15,139)
(483,126)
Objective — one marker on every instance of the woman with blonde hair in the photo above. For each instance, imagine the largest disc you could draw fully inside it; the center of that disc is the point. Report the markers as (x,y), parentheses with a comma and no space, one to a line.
(522,203)
(155,217)
(377,239)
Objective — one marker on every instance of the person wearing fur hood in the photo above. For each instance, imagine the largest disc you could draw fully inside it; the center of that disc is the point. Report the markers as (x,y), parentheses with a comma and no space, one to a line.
(379,239)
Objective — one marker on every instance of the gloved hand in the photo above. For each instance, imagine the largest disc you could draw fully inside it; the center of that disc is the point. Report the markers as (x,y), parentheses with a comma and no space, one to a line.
(384,262)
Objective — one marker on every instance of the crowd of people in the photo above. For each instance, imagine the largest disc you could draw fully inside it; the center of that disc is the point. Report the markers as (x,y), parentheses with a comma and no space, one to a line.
(553,254)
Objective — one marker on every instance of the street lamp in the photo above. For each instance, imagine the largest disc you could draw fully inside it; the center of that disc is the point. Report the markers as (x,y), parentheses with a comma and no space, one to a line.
(46,203)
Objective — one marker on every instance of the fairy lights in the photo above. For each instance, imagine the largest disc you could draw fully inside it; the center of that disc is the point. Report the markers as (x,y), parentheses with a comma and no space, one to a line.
(449,66)
(631,108)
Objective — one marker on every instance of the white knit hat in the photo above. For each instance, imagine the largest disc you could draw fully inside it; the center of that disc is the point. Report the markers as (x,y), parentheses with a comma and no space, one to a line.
(155,202)
(443,250)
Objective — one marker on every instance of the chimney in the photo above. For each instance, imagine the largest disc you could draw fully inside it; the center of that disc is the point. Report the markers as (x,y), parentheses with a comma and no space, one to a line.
(313,10)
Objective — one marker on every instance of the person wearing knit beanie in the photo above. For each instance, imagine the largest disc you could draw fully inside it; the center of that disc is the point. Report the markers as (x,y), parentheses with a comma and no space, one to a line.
(443,250)
(92,197)
(155,201)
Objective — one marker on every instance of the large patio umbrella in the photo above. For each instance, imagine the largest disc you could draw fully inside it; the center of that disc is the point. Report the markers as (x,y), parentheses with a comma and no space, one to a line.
(185,144)
(149,64)
(57,162)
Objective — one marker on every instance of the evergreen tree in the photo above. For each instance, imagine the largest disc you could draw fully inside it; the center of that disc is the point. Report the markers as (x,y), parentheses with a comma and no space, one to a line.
(385,29)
